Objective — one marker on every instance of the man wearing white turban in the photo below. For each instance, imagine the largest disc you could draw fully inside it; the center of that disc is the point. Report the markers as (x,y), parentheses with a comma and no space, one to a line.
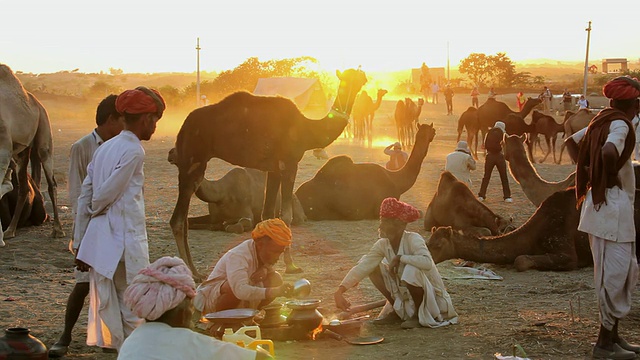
(161,293)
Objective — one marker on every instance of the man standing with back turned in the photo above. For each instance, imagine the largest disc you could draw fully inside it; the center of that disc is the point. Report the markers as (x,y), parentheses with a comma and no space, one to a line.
(605,187)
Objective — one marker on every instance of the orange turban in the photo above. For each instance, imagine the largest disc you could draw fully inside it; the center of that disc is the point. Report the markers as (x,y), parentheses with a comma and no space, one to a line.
(622,88)
(275,229)
(140,100)
(393,208)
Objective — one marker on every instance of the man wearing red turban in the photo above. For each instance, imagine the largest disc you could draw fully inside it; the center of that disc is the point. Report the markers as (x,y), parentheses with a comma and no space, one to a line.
(110,220)
(400,266)
(605,190)
(244,276)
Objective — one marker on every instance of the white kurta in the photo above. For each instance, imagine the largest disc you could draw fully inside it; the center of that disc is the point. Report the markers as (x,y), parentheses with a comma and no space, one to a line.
(416,268)
(159,341)
(460,165)
(111,210)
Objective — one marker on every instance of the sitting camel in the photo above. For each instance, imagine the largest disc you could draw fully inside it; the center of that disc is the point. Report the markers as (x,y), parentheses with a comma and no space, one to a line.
(26,129)
(454,204)
(268,133)
(344,190)
(33,212)
(549,240)
(534,187)
(469,121)
(547,126)
(235,201)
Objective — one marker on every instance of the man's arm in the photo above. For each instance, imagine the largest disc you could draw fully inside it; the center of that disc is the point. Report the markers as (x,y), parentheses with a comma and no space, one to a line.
(116,184)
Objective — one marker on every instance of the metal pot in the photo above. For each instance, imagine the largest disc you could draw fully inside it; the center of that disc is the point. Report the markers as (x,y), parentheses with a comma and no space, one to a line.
(304,315)
(301,289)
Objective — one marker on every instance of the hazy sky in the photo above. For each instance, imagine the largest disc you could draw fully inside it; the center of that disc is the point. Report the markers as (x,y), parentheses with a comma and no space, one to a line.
(150,36)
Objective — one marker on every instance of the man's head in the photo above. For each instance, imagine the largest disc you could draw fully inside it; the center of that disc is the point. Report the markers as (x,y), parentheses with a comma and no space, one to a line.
(397,146)
(110,122)
(394,217)
(623,92)
(463,146)
(142,108)
(271,238)
(163,291)
(500,125)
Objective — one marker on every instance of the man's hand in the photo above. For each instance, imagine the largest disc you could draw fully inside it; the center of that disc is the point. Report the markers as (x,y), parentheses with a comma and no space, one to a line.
(81,265)
(395,264)
(341,302)
(282,290)
(260,275)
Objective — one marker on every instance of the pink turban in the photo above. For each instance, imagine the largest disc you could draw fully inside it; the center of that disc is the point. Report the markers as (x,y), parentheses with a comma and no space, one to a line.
(275,229)
(393,208)
(622,88)
(160,287)
(140,100)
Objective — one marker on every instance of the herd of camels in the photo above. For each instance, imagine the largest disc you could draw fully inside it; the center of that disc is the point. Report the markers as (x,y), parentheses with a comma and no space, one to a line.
(266,137)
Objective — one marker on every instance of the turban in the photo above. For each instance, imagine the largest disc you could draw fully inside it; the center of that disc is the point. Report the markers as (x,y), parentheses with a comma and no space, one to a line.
(140,100)
(393,208)
(622,88)
(275,229)
(160,287)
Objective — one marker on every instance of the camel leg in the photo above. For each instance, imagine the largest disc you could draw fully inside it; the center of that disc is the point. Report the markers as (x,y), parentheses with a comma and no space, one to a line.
(554,139)
(548,141)
(286,209)
(46,159)
(23,191)
(561,151)
(187,185)
(552,262)
(530,149)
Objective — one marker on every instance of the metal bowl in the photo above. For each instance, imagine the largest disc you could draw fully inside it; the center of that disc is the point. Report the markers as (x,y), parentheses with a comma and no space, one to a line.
(301,288)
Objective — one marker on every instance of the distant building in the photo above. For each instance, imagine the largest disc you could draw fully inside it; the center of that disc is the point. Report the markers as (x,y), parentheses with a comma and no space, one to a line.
(614,65)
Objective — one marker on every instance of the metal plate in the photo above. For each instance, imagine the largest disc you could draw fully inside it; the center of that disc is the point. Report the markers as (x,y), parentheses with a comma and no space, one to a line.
(231,315)
(365,340)
(303,304)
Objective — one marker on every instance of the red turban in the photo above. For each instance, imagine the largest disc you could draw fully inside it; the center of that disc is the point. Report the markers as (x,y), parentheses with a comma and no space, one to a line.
(140,100)
(275,229)
(622,88)
(395,209)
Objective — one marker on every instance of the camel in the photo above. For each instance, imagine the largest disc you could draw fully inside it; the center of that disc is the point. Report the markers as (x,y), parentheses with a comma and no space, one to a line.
(407,115)
(493,110)
(235,201)
(24,128)
(454,204)
(469,121)
(344,190)
(534,187)
(548,240)
(33,212)
(267,133)
(547,126)
(574,123)
(363,113)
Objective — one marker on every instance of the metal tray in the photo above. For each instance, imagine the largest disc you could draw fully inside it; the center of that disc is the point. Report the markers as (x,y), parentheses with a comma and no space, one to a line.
(231,315)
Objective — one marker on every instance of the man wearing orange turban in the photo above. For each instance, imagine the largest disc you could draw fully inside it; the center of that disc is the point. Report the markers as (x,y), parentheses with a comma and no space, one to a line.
(400,266)
(244,276)
(605,190)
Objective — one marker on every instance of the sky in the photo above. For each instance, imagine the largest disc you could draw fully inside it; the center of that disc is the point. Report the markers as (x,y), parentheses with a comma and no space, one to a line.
(140,36)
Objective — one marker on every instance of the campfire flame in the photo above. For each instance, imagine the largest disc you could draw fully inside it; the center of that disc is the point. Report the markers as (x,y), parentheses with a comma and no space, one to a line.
(315,332)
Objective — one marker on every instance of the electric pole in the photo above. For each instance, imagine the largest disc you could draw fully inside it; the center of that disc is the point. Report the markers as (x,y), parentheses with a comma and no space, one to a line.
(198,74)
(586,61)
(448,73)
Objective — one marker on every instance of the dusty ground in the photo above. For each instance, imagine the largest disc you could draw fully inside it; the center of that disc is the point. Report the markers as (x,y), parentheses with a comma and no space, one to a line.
(550,315)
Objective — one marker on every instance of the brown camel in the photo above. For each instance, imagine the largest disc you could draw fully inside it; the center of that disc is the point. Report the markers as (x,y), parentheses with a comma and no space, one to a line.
(407,115)
(549,240)
(33,212)
(24,129)
(342,190)
(267,133)
(493,110)
(574,123)
(546,125)
(363,113)
(469,121)
(454,204)
(534,187)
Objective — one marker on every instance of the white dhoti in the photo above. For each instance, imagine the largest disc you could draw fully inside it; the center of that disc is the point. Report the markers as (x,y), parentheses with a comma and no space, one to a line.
(436,309)
(110,320)
(615,276)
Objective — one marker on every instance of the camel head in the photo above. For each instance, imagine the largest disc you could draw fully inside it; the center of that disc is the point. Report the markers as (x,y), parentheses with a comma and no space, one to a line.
(381,93)
(420,102)
(424,130)
(351,81)
(441,244)
(504,225)
(514,147)
(171,158)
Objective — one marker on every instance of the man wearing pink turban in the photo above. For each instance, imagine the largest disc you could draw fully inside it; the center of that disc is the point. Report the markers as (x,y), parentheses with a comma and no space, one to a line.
(110,219)
(400,266)
(161,294)
(244,277)
(605,190)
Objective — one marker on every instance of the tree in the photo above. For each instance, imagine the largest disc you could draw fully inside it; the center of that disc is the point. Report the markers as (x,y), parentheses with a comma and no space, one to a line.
(476,67)
(502,69)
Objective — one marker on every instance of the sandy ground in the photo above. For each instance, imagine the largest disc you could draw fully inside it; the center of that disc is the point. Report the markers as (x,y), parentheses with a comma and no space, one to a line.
(551,315)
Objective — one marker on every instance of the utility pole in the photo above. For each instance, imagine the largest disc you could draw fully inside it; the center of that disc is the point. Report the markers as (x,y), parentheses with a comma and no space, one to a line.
(448,73)
(586,61)
(198,74)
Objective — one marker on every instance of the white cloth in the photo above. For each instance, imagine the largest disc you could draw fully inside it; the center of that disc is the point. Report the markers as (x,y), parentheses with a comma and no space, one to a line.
(614,220)
(159,341)
(110,320)
(79,158)
(460,165)
(636,122)
(236,267)
(417,269)
(582,104)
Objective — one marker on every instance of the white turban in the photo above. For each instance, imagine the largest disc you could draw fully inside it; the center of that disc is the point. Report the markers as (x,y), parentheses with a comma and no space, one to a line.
(160,287)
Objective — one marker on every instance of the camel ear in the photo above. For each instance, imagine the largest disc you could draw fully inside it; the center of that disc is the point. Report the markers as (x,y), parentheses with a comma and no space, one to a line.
(338,74)
(433,229)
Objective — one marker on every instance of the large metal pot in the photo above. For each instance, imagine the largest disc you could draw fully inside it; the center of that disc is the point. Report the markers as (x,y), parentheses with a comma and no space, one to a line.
(304,315)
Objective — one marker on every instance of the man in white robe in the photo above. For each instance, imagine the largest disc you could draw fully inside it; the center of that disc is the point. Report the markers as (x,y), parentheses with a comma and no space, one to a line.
(400,266)
(111,219)
(605,187)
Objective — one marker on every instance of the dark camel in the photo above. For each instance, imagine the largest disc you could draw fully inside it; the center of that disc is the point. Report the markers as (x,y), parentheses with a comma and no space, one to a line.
(33,212)
(267,133)
(546,125)
(534,187)
(493,110)
(407,114)
(469,121)
(363,113)
(454,204)
(342,190)
(549,240)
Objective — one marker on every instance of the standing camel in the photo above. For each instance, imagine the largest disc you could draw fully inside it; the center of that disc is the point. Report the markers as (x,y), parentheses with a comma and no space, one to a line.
(267,133)
(573,123)
(547,126)
(469,121)
(371,114)
(344,190)
(363,113)
(407,115)
(493,110)
(24,127)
